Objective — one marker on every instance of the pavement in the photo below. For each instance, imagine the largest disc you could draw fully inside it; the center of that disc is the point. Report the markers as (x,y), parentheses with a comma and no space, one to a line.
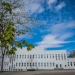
(42,72)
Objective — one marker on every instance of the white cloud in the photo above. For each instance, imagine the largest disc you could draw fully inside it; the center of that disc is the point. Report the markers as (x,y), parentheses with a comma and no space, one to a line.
(49,2)
(34,6)
(58,35)
(60,6)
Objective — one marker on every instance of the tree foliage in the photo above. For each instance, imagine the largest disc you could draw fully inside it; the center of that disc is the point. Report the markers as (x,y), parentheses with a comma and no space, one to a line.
(8,33)
(72,54)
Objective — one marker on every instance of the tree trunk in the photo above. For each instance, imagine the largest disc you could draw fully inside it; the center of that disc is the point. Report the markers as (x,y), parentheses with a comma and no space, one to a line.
(2,62)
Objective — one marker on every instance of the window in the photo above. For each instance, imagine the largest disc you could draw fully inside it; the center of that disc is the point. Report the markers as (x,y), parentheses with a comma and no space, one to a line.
(44,55)
(68,63)
(71,63)
(33,56)
(50,55)
(25,56)
(30,64)
(50,64)
(45,64)
(20,56)
(65,65)
(35,64)
(59,56)
(28,56)
(62,56)
(17,56)
(36,56)
(41,56)
(56,56)
(22,64)
(53,55)
(53,63)
(27,64)
(74,63)
(16,64)
(19,64)
(47,55)
(10,60)
(39,64)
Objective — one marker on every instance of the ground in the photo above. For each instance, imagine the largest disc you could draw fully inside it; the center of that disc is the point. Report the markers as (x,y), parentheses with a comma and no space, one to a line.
(42,72)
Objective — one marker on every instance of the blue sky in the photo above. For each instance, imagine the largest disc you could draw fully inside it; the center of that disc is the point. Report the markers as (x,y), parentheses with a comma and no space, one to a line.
(57,27)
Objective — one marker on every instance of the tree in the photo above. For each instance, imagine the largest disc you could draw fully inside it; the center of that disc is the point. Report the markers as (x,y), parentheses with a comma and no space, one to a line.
(72,54)
(8,32)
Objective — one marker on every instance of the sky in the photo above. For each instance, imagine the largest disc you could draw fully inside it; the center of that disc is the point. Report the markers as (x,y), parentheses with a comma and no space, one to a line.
(56,29)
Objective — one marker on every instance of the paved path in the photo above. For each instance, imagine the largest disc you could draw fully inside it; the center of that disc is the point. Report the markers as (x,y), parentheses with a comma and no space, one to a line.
(42,72)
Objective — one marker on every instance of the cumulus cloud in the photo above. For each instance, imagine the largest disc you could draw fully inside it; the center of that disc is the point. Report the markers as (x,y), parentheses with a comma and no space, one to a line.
(60,6)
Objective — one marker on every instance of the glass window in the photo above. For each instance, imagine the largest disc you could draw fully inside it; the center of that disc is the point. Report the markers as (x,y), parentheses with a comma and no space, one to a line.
(25,56)
(28,56)
(33,56)
(53,55)
(17,56)
(39,64)
(22,64)
(45,64)
(38,55)
(62,56)
(59,56)
(74,63)
(27,64)
(35,64)
(71,63)
(68,63)
(16,64)
(56,56)
(50,55)
(47,55)
(22,56)
(53,63)
(50,64)
(41,56)
(44,55)
(19,64)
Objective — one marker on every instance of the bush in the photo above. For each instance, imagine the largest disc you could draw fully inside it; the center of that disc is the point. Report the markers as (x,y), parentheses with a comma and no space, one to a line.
(31,69)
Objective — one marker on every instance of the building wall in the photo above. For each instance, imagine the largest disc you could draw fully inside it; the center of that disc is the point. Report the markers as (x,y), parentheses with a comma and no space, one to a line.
(42,59)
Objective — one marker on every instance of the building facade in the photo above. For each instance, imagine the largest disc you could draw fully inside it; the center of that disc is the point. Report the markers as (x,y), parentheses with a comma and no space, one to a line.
(38,58)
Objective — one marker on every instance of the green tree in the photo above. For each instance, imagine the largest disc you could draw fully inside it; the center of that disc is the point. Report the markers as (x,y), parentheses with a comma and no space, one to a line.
(8,32)
(72,54)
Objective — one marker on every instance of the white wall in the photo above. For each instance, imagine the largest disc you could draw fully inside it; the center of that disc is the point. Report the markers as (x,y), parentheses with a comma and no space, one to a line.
(37,51)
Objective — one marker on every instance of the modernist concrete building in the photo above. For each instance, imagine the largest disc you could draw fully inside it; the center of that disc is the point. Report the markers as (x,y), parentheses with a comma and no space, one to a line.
(38,58)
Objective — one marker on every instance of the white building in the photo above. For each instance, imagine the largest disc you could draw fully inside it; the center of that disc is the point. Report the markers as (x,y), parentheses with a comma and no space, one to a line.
(38,59)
